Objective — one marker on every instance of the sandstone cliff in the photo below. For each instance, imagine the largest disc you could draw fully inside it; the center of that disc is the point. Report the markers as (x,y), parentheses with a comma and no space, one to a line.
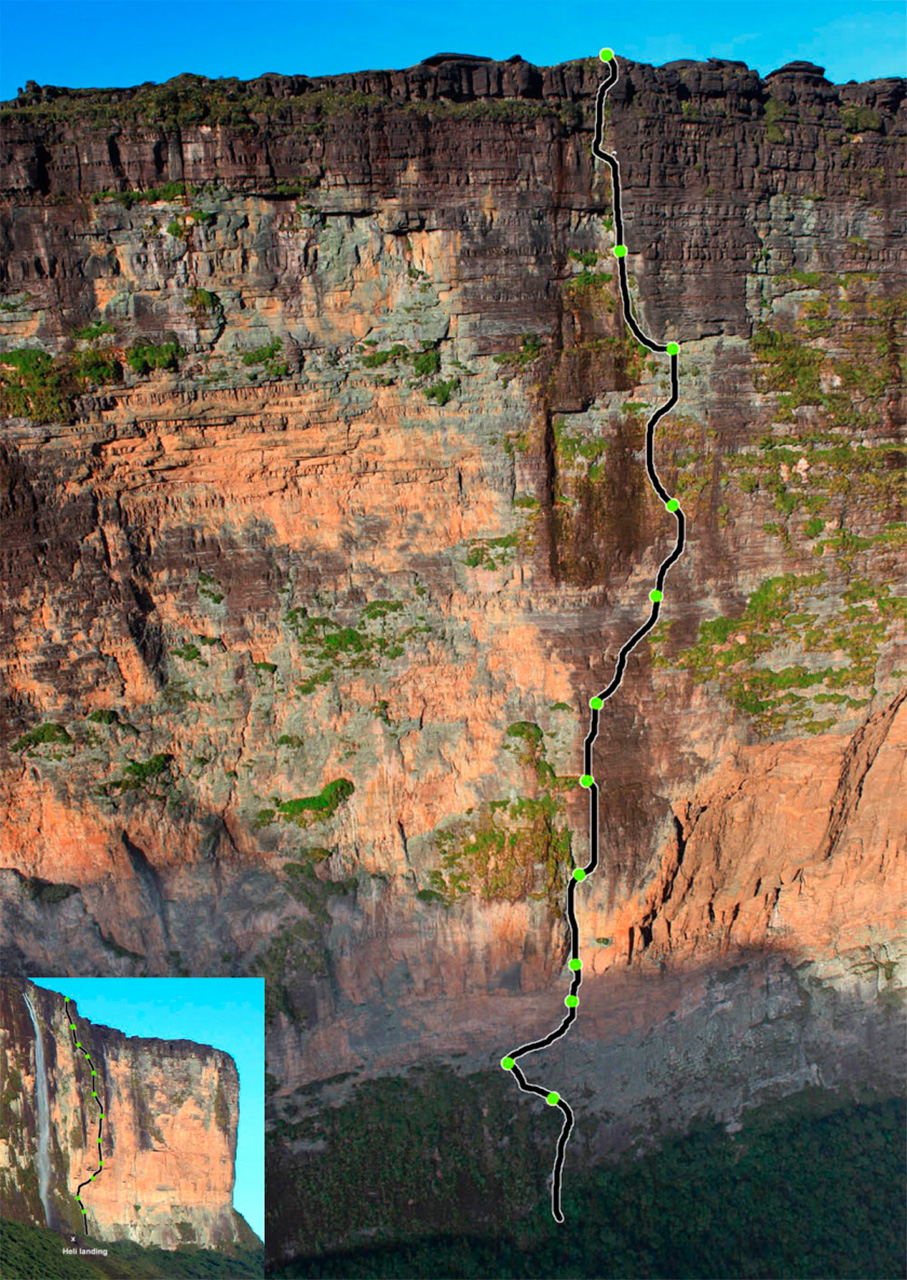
(330,513)
(168,1144)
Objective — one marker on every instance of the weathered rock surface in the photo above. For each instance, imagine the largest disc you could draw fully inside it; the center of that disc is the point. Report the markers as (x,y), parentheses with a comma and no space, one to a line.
(171,1109)
(401,549)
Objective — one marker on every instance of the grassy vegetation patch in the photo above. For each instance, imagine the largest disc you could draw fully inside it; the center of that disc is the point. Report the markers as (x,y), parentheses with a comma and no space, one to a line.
(203,302)
(588,281)
(492,553)
(442,392)
(530,349)
(513,849)
(42,735)
(188,653)
(166,193)
(143,357)
(209,588)
(839,639)
(143,775)
(268,357)
(321,807)
(35,385)
(330,647)
(92,332)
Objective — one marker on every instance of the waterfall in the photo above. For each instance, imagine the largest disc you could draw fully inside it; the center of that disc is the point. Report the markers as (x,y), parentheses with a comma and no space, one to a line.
(43,1116)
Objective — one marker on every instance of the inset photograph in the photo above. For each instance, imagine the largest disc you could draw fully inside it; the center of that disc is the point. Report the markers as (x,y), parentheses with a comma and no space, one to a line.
(131,1132)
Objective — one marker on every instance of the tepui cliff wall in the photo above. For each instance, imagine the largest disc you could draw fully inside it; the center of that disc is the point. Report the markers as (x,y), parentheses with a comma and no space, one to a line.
(168,1142)
(325,512)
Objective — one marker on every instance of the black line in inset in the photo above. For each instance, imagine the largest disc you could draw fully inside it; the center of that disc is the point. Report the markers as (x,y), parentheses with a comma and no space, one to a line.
(611,688)
(79,1048)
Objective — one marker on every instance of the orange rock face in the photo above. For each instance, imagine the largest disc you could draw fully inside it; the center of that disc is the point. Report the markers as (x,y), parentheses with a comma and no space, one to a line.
(299,634)
(797,846)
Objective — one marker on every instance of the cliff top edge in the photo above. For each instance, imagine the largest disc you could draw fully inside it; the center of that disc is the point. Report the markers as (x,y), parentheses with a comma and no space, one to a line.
(175,1047)
(456,76)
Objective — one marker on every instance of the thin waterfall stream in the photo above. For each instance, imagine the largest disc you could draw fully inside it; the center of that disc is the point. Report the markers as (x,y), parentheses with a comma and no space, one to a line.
(43,1115)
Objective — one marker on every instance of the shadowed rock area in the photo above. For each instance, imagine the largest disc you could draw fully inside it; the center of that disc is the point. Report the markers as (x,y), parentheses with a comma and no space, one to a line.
(325,513)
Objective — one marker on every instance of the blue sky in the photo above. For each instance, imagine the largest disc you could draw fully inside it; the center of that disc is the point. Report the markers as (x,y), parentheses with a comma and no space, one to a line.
(227,1013)
(123,42)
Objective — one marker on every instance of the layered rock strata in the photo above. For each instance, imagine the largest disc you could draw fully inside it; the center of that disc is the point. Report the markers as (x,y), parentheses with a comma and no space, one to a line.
(331,514)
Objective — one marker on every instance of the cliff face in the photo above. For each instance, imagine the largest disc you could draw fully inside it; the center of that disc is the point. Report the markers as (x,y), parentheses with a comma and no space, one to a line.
(168,1142)
(317,547)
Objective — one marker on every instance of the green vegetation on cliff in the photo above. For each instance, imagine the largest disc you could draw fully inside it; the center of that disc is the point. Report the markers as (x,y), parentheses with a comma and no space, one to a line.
(511,849)
(42,734)
(330,647)
(142,357)
(837,640)
(35,385)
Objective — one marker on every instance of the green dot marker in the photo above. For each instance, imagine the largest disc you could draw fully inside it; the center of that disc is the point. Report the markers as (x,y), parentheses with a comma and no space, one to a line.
(78,1046)
(579,873)
(575,965)
(553,1099)
(672,504)
(606,54)
(85,1213)
(586,780)
(79,1198)
(94,1073)
(673,349)
(571,1002)
(93,1176)
(620,251)
(507,1063)
(93,1094)
(656,595)
(102,1117)
(596,704)
(72,1026)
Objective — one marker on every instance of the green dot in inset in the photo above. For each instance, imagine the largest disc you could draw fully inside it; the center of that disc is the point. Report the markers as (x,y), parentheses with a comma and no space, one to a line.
(507,1063)
(72,1026)
(571,1002)
(596,704)
(672,504)
(79,1198)
(586,780)
(78,1046)
(579,873)
(575,965)
(94,1073)
(673,349)
(553,1099)
(93,1176)
(85,1212)
(620,251)
(656,595)
(606,54)
(93,1094)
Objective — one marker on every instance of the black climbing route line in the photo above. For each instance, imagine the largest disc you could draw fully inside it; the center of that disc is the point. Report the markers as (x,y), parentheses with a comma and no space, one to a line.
(80,1048)
(597,701)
